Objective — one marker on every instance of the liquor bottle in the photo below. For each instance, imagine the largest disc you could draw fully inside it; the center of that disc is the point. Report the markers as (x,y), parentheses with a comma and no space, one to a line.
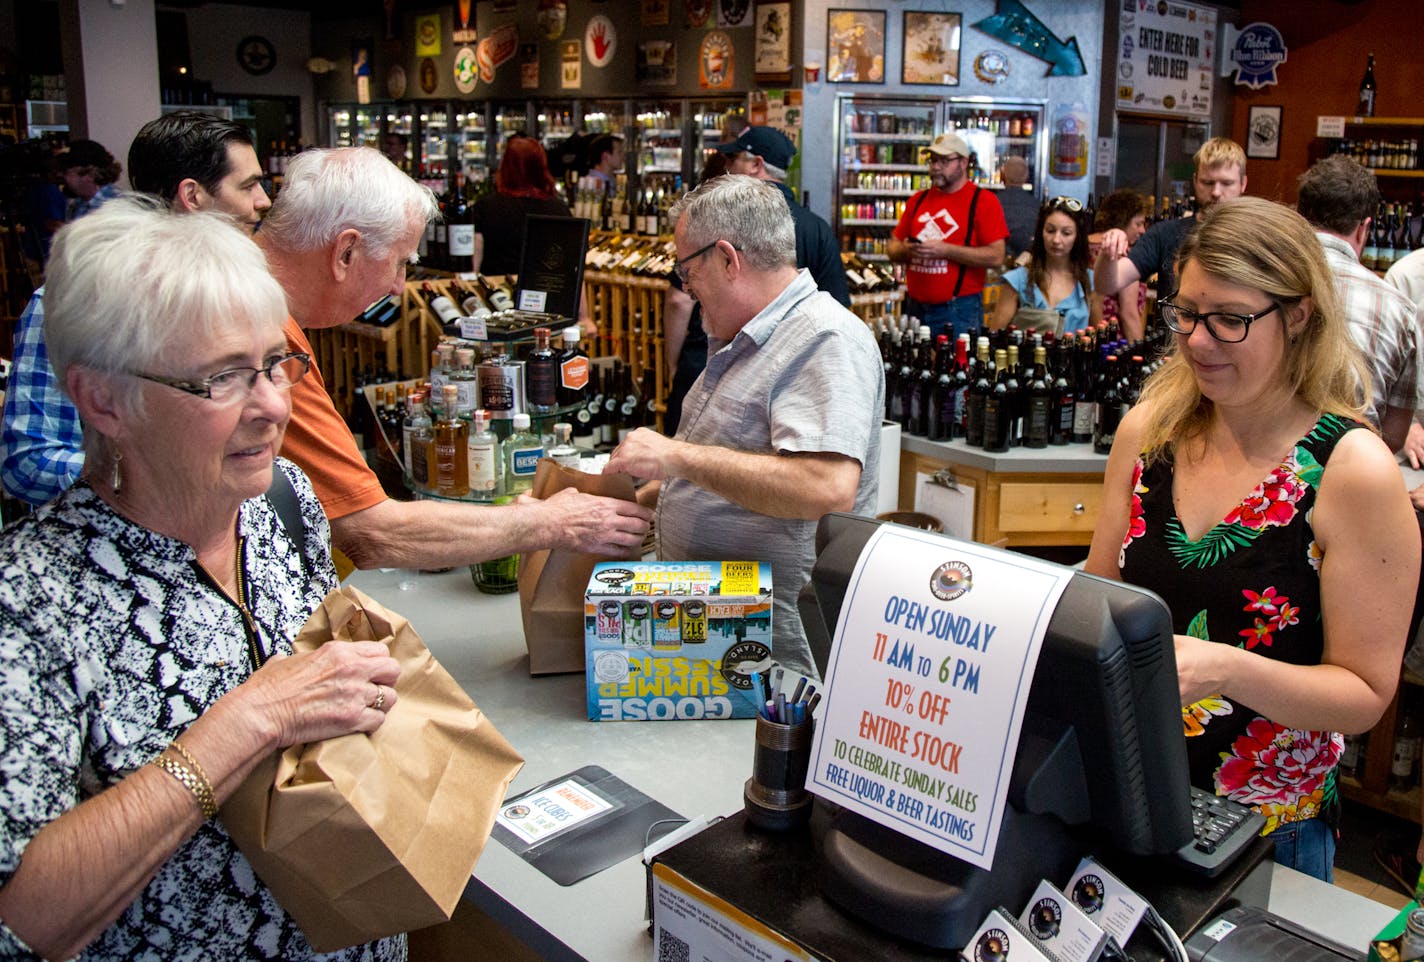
(918,422)
(889,359)
(1369,256)
(442,365)
(650,214)
(939,411)
(501,380)
(541,374)
(612,400)
(1366,107)
(1109,403)
(486,466)
(1014,387)
(998,407)
(1038,417)
(1406,748)
(573,369)
(1060,422)
(1084,404)
(417,435)
(464,380)
(978,394)
(522,451)
(441,306)
(960,387)
(563,450)
(630,412)
(450,444)
(460,233)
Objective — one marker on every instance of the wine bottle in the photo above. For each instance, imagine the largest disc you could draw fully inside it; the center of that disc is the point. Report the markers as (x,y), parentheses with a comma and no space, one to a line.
(1366,107)
(541,374)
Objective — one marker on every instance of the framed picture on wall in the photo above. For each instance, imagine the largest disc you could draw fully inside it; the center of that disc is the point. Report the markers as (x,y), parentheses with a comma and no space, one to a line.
(773,42)
(855,46)
(931,51)
(1263,132)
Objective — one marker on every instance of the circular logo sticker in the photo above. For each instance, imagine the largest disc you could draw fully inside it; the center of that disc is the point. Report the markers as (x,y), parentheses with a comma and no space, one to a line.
(466,70)
(616,577)
(610,667)
(600,40)
(993,946)
(951,580)
(1088,893)
(992,67)
(1046,918)
(741,660)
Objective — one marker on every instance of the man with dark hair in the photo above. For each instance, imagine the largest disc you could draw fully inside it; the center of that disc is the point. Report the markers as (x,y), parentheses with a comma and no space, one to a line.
(1338,197)
(199,161)
(606,158)
(194,161)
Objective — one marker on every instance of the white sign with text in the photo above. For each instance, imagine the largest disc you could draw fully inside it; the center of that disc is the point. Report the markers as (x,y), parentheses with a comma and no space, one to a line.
(927,681)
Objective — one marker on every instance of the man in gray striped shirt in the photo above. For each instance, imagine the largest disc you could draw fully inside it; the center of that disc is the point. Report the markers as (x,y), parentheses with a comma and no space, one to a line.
(783,426)
(1339,198)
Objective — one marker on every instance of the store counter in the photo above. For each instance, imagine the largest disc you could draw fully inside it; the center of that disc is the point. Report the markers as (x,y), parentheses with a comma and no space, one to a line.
(695,768)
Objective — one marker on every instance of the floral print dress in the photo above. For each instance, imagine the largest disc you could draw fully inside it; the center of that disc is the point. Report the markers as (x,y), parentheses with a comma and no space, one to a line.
(1252,581)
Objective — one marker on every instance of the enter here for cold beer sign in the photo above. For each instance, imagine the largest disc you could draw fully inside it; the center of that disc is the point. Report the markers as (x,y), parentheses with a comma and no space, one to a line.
(928,676)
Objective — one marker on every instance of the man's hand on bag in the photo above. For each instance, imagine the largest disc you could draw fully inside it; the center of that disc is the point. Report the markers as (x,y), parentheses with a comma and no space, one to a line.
(589,523)
(341,687)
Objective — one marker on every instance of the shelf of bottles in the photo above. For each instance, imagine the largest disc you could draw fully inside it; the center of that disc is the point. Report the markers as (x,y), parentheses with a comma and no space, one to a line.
(353,126)
(879,166)
(1381,768)
(433,139)
(471,135)
(1389,146)
(1012,388)
(659,153)
(708,120)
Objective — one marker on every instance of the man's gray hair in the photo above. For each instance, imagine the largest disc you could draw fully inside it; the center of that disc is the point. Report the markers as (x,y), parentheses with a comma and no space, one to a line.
(134,285)
(750,213)
(328,191)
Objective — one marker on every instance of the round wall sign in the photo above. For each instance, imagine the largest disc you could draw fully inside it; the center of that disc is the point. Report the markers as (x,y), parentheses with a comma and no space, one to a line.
(256,55)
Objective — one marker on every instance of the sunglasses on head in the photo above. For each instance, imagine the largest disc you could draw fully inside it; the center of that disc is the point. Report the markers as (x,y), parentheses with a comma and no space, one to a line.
(1071,204)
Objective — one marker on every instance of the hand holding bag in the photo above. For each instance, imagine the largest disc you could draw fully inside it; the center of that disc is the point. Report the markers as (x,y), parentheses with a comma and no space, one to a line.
(364,836)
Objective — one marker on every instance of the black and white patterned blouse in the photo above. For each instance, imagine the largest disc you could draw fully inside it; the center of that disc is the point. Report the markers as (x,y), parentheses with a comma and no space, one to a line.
(112,642)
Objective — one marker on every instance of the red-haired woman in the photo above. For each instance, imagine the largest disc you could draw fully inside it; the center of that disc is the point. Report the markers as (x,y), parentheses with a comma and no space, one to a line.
(522,186)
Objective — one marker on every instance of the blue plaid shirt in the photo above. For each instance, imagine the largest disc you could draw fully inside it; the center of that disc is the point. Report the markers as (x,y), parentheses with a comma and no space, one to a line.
(41,432)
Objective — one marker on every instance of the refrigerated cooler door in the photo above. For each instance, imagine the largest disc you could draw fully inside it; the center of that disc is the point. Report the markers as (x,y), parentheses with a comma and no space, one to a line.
(879,142)
(659,148)
(997,130)
(471,134)
(708,120)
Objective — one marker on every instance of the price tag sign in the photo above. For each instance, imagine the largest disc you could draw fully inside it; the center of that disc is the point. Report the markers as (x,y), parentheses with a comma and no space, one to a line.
(928,676)
(1330,127)
(474,329)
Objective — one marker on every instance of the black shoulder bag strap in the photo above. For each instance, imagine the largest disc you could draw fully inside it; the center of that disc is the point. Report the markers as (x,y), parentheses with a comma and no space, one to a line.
(283,498)
(968,236)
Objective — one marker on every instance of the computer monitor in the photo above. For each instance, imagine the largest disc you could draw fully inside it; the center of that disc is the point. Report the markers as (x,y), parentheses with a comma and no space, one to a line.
(1101,747)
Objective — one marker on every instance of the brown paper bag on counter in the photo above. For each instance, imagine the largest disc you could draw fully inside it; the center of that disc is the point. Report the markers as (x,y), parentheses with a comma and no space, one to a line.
(552,581)
(364,836)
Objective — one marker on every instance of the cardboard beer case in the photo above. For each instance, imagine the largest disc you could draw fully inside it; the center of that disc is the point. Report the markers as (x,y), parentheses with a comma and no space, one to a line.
(670,640)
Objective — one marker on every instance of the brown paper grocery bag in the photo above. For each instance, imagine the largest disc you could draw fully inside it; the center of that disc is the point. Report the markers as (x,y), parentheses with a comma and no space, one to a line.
(552,581)
(364,836)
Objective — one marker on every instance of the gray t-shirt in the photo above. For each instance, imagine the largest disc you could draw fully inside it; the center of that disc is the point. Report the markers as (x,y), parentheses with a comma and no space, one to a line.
(804,375)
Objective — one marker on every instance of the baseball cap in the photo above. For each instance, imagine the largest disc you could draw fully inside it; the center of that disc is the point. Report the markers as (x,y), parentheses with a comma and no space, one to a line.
(767,143)
(946,145)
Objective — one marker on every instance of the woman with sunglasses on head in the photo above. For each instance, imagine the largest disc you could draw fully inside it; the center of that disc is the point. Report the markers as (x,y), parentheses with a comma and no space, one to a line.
(1058,276)
(146,614)
(1246,490)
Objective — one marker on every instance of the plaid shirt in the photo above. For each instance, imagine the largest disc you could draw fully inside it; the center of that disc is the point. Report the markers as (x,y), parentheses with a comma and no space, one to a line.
(41,432)
(1385,326)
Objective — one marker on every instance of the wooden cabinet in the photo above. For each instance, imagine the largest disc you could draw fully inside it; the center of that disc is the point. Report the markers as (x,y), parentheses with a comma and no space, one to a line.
(1023,498)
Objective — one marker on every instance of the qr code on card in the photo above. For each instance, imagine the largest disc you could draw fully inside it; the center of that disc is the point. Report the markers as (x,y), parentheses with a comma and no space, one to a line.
(671,948)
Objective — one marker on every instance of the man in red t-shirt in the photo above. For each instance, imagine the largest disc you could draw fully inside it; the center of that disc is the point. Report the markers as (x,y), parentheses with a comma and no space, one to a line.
(949,234)
(338,238)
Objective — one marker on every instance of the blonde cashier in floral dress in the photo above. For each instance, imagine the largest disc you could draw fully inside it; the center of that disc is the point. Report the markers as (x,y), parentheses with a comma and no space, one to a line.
(1246,490)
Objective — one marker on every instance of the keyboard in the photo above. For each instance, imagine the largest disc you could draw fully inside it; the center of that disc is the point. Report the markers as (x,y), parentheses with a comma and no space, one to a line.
(1222,830)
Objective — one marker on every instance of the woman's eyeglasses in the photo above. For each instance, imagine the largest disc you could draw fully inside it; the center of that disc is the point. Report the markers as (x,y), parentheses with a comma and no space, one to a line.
(1225,327)
(237,382)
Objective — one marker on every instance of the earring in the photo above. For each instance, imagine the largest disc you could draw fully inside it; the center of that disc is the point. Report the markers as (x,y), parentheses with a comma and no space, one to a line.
(116,481)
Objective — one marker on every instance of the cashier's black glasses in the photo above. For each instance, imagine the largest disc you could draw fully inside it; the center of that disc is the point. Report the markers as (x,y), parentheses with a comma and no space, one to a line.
(1227,328)
(680,267)
(236,383)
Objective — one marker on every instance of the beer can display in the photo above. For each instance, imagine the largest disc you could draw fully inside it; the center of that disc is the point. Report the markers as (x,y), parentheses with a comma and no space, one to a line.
(638,623)
(666,622)
(610,620)
(694,621)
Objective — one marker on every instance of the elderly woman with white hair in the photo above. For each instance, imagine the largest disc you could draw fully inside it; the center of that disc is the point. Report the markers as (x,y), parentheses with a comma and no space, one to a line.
(146,613)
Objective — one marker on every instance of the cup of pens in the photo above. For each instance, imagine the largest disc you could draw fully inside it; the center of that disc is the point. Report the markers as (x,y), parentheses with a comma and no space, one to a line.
(775,797)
